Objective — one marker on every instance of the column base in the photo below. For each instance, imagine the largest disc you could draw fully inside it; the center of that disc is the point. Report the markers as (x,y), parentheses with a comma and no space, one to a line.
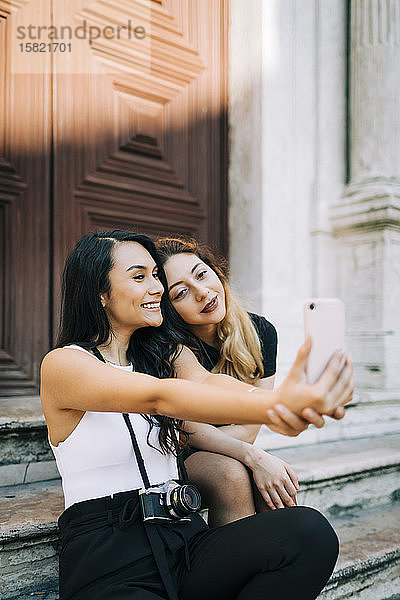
(366,227)
(369,204)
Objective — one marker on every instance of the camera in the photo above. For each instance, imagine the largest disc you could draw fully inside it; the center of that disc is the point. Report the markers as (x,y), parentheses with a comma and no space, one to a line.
(169,501)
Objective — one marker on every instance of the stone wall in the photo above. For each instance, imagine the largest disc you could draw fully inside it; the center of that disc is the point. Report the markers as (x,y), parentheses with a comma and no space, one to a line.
(288,155)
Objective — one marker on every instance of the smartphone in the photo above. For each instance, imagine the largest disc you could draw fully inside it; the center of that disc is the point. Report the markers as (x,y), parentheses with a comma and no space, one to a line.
(324,321)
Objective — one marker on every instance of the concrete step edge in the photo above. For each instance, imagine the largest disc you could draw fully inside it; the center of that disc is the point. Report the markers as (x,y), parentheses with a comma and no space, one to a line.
(310,482)
(27,472)
(27,532)
(21,412)
(364,567)
(340,459)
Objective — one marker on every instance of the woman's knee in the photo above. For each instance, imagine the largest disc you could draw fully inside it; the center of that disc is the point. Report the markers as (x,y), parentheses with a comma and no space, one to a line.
(234,485)
(221,479)
(317,526)
(306,530)
(313,533)
(326,531)
(234,475)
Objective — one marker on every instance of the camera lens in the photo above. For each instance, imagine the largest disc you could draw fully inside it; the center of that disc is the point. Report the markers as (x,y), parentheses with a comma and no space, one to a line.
(186,499)
(191,498)
(312,306)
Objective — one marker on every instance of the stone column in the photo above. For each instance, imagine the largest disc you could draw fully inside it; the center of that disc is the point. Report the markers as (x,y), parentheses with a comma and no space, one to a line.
(366,220)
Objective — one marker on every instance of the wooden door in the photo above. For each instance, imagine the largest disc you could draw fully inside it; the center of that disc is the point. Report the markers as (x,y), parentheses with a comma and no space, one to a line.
(25,135)
(126,129)
(138,126)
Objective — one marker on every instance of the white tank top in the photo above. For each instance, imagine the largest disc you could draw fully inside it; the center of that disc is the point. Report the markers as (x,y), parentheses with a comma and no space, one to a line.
(97,458)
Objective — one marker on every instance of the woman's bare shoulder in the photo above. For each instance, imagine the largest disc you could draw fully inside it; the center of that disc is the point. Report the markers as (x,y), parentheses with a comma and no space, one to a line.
(63,365)
(72,379)
(187,366)
(66,356)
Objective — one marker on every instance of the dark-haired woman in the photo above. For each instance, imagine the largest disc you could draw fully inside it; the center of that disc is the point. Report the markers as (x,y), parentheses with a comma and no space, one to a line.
(114,431)
(236,479)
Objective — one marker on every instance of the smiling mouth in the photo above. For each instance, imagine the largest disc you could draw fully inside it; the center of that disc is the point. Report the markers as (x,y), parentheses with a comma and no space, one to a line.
(210,306)
(151,305)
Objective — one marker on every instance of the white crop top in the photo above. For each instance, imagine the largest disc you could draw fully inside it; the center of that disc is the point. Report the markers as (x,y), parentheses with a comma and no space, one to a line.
(97,458)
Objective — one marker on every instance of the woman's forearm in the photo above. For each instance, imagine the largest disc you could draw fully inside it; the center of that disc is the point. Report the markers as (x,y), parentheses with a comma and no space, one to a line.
(211,439)
(244,433)
(206,403)
(333,388)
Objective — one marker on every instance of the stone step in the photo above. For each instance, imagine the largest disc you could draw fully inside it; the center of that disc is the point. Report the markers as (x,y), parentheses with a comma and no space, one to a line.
(337,477)
(361,471)
(371,414)
(29,540)
(368,567)
(369,561)
(39,595)
(25,454)
(26,457)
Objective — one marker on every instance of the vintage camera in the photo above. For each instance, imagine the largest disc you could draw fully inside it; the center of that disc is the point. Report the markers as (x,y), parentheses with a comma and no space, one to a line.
(169,501)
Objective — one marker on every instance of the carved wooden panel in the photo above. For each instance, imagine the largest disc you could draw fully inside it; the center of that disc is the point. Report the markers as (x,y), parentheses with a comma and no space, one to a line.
(139,124)
(9,6)
(24,209)
(127,132)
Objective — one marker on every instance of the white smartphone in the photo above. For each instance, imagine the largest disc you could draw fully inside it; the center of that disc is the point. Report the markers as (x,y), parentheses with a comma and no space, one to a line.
(324,321)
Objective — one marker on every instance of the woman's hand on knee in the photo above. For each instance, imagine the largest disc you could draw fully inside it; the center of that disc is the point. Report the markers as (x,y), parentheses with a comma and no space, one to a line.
(275,479)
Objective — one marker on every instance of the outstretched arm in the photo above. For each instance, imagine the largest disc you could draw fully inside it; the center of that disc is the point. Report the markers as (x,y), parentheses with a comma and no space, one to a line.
(248,433)
(74,380)
(284,417)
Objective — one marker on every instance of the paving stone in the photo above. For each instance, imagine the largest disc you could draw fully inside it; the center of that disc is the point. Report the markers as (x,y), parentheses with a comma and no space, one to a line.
(30,508)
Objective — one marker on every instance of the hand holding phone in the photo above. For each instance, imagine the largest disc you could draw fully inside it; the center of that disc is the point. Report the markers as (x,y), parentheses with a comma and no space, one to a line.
(324,322)
(320,361)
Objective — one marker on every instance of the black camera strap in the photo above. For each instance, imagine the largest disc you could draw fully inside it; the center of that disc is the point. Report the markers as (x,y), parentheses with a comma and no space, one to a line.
(152,532)
(138,454)
(136,449)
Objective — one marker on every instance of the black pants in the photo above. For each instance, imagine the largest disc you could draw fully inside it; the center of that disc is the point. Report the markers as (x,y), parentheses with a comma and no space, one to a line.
(286,554)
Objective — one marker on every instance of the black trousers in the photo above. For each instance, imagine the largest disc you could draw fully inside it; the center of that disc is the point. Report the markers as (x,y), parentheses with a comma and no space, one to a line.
(106,555)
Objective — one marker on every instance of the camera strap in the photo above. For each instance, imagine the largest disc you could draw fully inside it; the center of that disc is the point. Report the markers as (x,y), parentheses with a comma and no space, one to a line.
(136,449)
(152,531)
(139,458)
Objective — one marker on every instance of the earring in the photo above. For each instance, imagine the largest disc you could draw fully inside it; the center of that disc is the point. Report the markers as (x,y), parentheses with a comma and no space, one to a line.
(102,301)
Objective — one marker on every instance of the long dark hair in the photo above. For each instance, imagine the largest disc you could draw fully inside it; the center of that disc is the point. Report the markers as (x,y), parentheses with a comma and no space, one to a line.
(84,321)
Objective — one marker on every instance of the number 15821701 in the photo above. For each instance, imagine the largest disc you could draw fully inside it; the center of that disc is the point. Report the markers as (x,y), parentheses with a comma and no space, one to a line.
(45,47)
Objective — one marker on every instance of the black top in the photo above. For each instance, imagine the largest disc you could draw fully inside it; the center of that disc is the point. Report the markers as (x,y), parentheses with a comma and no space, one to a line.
(268,339)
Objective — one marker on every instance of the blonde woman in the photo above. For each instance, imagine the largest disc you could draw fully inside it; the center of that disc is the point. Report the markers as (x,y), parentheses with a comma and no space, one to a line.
(236,479)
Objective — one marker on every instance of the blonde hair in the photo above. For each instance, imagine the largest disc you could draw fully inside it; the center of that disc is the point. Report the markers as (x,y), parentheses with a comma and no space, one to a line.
(239,343)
